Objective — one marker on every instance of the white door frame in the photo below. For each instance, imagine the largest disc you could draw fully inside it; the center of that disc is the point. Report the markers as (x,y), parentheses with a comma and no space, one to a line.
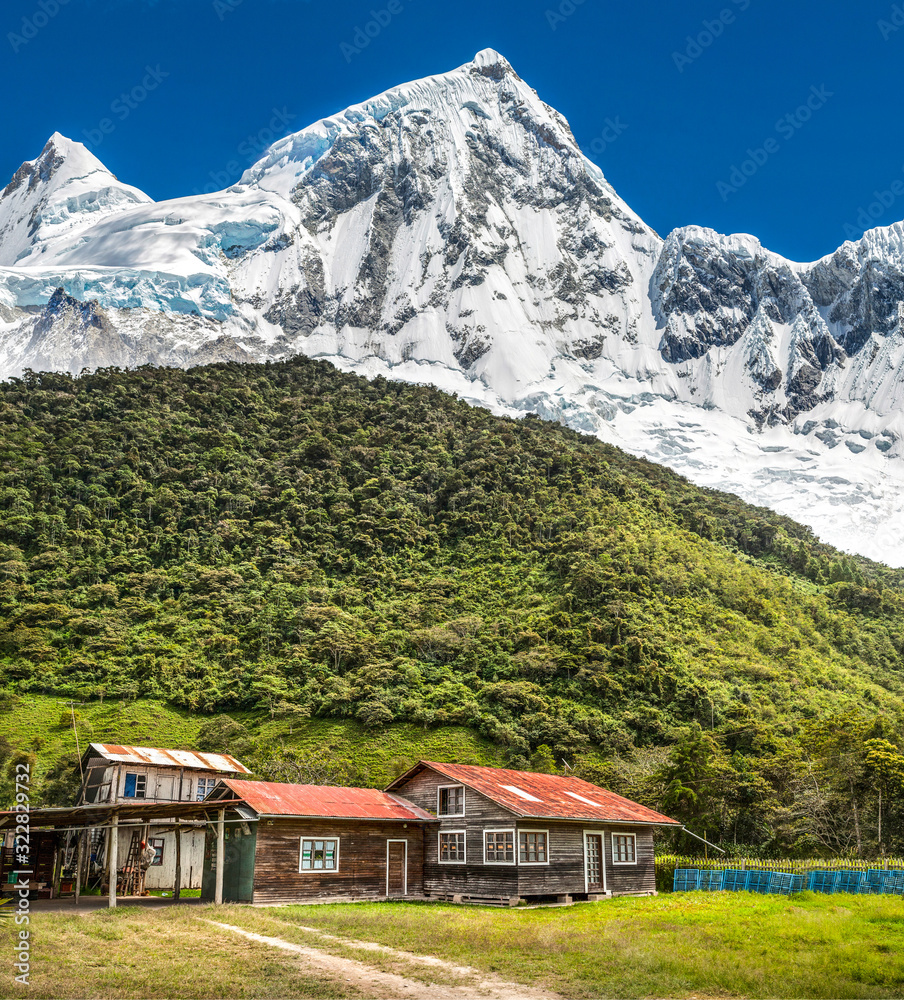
(602,835)
(398,840)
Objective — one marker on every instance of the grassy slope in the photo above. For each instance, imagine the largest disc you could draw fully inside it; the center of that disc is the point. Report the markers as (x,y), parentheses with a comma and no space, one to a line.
(35,724)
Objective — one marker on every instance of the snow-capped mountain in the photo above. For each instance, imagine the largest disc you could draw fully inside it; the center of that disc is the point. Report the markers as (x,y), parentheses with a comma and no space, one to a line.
(450,231)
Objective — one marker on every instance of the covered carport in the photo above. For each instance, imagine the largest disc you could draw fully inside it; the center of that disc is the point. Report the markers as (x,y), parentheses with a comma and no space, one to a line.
(35,855)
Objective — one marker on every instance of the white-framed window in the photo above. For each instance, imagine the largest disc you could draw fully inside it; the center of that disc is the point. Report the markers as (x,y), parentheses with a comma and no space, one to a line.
(157,843)
(205,785)
(624,849)
(450,800)
(136,785)
(498,847)
(319,854)
(533,847)
(452,847)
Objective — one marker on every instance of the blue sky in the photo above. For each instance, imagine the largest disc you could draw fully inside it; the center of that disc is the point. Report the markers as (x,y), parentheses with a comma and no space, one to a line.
(696,89)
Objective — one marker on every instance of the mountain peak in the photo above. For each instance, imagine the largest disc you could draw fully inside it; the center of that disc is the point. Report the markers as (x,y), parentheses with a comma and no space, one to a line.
(64,183)
(489,62)
(59,155)
(64,146)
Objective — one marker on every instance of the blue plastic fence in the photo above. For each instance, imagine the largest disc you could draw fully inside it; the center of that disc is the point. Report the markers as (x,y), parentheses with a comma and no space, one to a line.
(759,880)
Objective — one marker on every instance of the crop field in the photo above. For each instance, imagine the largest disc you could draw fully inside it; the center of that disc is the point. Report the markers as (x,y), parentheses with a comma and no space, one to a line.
(680,945)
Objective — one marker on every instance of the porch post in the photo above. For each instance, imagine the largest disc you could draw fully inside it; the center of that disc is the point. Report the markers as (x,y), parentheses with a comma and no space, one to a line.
(221,853)
(57,868)
(177,888)
(113,857)
(80,843)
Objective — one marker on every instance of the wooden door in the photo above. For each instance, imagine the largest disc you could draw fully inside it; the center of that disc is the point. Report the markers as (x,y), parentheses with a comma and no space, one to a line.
(594,862)
(396,867)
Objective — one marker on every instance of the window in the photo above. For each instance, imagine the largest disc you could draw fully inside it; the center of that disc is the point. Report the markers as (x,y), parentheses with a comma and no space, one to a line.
(499,847)
(157,844)
(623,849)
(532,847)
(451,801)
(136,786)
(205,785)
(319,855)
(452,847)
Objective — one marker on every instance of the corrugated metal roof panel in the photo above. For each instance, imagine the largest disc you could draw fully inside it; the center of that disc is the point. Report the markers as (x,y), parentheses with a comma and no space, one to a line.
(273,798)
(169,758)
(546,796)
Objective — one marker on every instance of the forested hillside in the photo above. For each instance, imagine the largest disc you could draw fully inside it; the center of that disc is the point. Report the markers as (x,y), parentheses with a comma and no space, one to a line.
(292,540)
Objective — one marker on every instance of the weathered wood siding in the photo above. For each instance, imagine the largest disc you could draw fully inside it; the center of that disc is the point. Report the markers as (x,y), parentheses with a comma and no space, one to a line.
(565,872)
(640,877)
(473,878)
(362,859)
(163,784)
(164,876)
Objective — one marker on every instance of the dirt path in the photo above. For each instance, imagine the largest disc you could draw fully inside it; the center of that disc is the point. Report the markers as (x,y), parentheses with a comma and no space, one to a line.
(378,984)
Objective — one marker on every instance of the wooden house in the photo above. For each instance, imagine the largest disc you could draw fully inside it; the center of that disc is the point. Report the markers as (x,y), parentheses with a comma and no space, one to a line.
(132,775)
(515,834)
(439,830)
(285,843)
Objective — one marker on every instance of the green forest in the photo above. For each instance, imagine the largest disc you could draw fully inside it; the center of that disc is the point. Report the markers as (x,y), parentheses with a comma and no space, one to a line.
(251,543)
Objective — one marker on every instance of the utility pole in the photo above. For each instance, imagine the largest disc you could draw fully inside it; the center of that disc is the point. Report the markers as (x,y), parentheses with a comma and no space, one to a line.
(81,770)
(880,820)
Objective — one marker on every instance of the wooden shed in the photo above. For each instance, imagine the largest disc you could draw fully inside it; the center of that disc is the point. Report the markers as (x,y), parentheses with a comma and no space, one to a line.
(284,843)
(132,774)
(506,834)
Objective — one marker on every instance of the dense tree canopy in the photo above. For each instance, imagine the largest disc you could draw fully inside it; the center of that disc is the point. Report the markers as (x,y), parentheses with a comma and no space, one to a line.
(291,537)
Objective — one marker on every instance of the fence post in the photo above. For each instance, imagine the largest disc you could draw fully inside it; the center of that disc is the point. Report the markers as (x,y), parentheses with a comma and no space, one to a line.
(743,864)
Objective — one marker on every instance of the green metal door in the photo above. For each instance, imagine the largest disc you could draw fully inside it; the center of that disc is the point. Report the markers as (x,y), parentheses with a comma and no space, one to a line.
(238,868)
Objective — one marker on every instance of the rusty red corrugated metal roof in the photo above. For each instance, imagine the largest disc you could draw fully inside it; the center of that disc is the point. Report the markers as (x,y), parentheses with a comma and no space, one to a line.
(545,796)
(273,798)
(222,762)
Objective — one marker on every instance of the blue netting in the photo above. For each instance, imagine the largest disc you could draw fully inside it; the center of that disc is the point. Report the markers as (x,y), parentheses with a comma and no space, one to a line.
(848,881)
(686,880)
(734,880)
(711,881)
(894,883)
(823,881)
(785,883)
(758,881)
(873,882)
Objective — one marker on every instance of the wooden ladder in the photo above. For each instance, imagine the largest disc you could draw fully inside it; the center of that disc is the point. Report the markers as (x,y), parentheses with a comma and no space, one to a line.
(131,882)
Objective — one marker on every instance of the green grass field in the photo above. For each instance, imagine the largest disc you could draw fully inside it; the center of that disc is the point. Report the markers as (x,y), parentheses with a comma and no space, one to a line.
(681,945)
(677,945)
